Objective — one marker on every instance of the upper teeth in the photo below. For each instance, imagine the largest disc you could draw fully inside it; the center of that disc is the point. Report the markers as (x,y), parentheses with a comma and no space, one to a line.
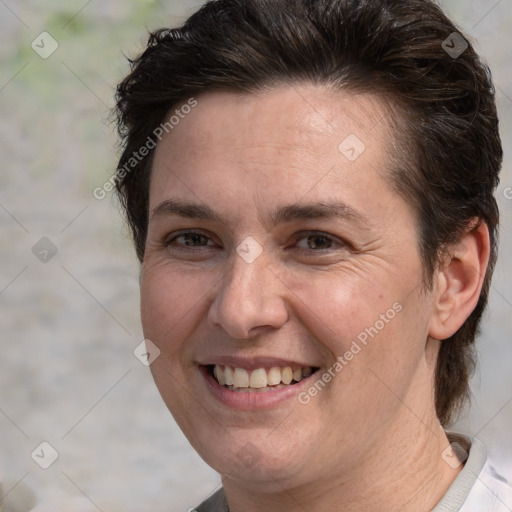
(259,378)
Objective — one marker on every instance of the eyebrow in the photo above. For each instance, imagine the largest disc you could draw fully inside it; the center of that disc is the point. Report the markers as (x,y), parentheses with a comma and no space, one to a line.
(281,215)
(336,209)
(184,209)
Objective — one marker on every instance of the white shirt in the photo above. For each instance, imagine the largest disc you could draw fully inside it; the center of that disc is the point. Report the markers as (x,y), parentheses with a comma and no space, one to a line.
(478,487)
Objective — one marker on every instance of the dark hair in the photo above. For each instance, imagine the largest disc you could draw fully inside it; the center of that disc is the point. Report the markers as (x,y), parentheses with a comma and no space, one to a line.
(448,151)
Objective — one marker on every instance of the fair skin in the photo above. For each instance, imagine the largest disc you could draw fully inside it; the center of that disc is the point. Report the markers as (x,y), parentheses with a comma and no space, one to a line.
(370,439)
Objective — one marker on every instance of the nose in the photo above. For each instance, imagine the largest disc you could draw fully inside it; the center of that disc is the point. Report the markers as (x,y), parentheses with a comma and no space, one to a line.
(250,300)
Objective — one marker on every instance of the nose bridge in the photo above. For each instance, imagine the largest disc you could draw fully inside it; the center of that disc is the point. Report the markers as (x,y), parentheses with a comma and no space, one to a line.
(249,296)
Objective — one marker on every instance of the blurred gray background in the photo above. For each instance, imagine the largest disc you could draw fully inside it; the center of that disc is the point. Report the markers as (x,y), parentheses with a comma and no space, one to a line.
(69,321)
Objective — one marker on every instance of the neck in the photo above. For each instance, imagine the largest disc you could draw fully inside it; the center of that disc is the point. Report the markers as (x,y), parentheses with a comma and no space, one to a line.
(404,472)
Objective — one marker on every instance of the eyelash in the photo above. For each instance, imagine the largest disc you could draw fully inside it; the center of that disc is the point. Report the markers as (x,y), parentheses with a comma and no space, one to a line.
(298,237)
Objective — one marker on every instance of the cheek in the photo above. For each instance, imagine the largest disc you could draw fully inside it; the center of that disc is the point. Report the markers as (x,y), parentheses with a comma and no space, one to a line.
(337,307)
(371,329)
(170,311)
(170,303)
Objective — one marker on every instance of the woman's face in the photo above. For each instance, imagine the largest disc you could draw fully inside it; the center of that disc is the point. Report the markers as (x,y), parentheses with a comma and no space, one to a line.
(276,248)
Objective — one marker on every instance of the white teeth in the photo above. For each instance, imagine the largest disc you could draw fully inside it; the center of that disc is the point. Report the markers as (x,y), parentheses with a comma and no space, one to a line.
(228,375)
(259,379)
(286,375)
(240,378)
(274,376)
(219,375)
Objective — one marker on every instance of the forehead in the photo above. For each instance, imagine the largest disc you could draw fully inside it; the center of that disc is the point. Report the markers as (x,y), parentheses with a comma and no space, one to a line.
(290,112)
(289,142)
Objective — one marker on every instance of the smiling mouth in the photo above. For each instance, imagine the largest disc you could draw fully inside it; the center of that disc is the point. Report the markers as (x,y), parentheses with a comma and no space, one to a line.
(260,379)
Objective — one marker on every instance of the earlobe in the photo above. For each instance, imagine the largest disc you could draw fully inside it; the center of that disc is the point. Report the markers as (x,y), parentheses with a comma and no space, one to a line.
(459,281)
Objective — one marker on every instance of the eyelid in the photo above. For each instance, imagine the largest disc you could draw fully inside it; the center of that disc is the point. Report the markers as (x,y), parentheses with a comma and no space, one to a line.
(304,234)
(176,234)
(338,242)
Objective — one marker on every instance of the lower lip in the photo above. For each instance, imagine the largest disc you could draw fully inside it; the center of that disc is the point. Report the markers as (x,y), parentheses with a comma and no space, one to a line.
(249,401)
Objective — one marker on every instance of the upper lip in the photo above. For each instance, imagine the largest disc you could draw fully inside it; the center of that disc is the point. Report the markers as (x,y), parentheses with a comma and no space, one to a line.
(253,363)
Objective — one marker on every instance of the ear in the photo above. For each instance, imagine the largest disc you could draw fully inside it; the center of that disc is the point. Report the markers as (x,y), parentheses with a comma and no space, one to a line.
(459,281)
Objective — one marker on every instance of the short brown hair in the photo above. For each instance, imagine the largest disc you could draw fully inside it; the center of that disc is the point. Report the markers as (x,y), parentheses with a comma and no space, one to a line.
(395,48)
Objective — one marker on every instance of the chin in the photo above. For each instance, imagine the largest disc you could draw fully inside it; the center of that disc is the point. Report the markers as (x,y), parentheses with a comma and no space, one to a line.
(248,456)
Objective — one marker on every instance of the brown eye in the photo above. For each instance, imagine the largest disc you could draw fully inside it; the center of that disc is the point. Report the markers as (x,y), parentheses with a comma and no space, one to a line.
(194,239)
(189,239)
(316,242)
(319,242)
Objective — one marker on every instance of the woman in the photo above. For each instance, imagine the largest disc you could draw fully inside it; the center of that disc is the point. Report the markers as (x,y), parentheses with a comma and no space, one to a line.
(310,190)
